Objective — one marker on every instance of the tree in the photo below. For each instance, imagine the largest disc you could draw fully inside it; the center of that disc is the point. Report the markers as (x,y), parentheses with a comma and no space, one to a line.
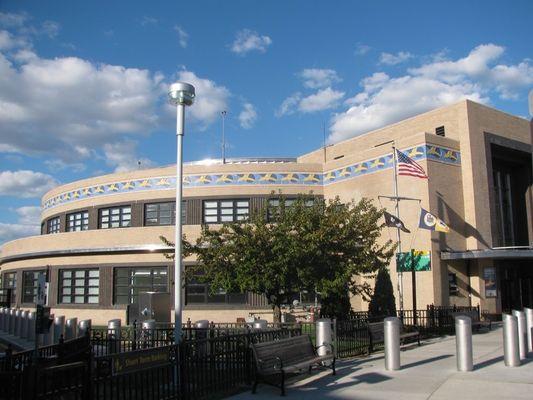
(382,303)
(309,245)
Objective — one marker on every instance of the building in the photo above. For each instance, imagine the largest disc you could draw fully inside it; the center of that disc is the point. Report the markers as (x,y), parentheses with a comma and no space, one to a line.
(100,236)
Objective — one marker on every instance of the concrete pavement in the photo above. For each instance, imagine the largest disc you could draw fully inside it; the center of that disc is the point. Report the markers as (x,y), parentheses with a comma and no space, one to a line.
(428,372)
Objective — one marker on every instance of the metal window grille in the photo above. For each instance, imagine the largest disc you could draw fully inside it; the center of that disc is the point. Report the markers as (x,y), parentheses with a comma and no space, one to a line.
(79,286)
(439,131)
(54,225)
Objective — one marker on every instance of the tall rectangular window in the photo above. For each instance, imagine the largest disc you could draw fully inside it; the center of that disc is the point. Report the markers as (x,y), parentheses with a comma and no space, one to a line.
(79,286)
(274,205)
(452,284)
(9,281)
(220,211)
(30,282)
(197,292)
(129,282)
(163,213)
(115,217)
(78,221)
(54,225)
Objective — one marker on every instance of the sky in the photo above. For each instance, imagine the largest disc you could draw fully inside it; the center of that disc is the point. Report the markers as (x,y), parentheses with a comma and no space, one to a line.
(83,85)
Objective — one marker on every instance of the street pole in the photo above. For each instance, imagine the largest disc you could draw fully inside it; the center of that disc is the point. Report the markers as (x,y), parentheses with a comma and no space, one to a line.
(413,283)
(223,138)
(400,275)
(180,122)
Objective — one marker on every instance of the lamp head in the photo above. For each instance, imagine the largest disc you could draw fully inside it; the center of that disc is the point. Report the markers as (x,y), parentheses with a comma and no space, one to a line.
(181,93)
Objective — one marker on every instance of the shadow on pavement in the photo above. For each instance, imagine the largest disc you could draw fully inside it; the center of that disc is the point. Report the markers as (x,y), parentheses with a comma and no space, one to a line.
(426,361)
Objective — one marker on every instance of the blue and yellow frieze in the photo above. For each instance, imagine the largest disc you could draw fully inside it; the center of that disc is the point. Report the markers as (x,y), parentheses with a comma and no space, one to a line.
(310,179)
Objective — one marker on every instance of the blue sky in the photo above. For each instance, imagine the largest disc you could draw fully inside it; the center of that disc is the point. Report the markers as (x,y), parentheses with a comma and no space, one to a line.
(83,84)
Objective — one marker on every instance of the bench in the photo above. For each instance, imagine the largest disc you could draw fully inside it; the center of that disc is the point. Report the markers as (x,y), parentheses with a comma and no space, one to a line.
(293,355)
(474,316)
(376,331)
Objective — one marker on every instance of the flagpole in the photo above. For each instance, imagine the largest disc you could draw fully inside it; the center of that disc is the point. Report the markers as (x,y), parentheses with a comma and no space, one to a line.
(400,275)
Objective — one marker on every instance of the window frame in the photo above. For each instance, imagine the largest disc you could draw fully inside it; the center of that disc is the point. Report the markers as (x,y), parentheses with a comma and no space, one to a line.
(13,287)
(131,287)
(210,299)
(84,221)
(121,214)
(33,287)
(453,287)
(53,225)
(289,201)
(73,286)
(219,210)
(158,213)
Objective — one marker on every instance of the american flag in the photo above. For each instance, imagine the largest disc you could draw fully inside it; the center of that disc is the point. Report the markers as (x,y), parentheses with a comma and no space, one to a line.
(408,166)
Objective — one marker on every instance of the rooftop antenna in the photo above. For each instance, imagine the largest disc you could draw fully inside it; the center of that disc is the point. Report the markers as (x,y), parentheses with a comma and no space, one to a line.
(223,113)
(139,164)
(324,138)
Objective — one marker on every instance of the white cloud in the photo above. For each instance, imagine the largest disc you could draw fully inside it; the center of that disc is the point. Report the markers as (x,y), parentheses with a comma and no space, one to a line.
(183,37)
(29,215)
(56,165)
(147,20)
(247,40)
(8,41)
(28,224)
(315,78)
(50,29)
(123,156)
(210,99)
(248,116)
(289,105)
(25,183)
(439,82)
(321,100)
(393,59)
(13,20)
(362,49)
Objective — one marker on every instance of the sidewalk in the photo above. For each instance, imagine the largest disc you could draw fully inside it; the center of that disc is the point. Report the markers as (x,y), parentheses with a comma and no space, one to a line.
(428,372)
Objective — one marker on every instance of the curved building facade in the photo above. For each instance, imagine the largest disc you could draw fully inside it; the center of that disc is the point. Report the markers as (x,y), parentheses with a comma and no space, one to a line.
(100,245)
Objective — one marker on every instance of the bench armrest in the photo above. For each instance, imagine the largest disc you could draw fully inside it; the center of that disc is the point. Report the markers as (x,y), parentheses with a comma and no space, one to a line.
(279,364)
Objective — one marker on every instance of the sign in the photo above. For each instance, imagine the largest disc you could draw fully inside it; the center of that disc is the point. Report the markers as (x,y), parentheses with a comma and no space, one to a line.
(489,276)
(421,259)
(41,290)
(140,359)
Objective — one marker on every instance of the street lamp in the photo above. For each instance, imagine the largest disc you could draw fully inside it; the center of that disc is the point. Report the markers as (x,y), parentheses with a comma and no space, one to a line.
(180,94)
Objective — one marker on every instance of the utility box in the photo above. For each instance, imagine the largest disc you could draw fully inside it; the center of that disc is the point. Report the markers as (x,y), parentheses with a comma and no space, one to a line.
(151,305)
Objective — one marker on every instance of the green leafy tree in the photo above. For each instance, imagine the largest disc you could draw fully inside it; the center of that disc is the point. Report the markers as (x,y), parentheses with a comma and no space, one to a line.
(382,303)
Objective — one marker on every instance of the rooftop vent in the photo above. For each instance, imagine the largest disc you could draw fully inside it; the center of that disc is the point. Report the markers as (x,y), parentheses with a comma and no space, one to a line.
(439,131)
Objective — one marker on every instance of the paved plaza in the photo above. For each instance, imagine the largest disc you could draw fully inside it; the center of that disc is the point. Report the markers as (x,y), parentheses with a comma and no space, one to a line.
(428,372)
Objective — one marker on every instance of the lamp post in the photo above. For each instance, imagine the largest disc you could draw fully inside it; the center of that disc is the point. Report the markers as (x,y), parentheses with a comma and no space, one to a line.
(180,94)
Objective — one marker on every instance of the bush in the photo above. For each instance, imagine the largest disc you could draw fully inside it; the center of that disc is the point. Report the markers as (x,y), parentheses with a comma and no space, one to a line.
(382,302)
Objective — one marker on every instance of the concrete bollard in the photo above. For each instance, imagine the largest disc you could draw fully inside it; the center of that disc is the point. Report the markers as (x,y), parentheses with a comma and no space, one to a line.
(511,351)
(84,326)
(392,343)
(59,328)
(18,320)
(114,333)
(529,329)
(48,337)
(24,324)
(463,343)
(31,326)
(522,333)
(324,339)
(71,328)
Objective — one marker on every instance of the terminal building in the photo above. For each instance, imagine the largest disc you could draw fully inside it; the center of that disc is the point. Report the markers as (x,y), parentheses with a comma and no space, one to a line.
(100,237)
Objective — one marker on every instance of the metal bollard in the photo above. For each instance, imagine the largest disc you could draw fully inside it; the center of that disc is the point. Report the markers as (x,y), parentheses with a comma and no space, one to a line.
(48,337)
(324,339)
(71,328)
(18,320)
(522,333)
(59,328)
(529,328)
(260,324)
(31,326)
(114,333)
(463,343)
(511,352)
(12,321)
(24,324)
(392,343)
(2,319)
(84,326)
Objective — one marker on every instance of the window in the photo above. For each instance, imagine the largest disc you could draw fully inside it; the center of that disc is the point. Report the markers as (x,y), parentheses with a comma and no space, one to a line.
(129,282)
(273,206)
(9,281)
(162,213)
(220,211)
(452,281)
(197,292)
(79,286)
(30,282)
(115,217)
(78,221)
(53,225)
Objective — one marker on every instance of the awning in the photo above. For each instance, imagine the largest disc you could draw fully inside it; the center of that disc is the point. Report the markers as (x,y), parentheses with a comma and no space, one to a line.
(495,254)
